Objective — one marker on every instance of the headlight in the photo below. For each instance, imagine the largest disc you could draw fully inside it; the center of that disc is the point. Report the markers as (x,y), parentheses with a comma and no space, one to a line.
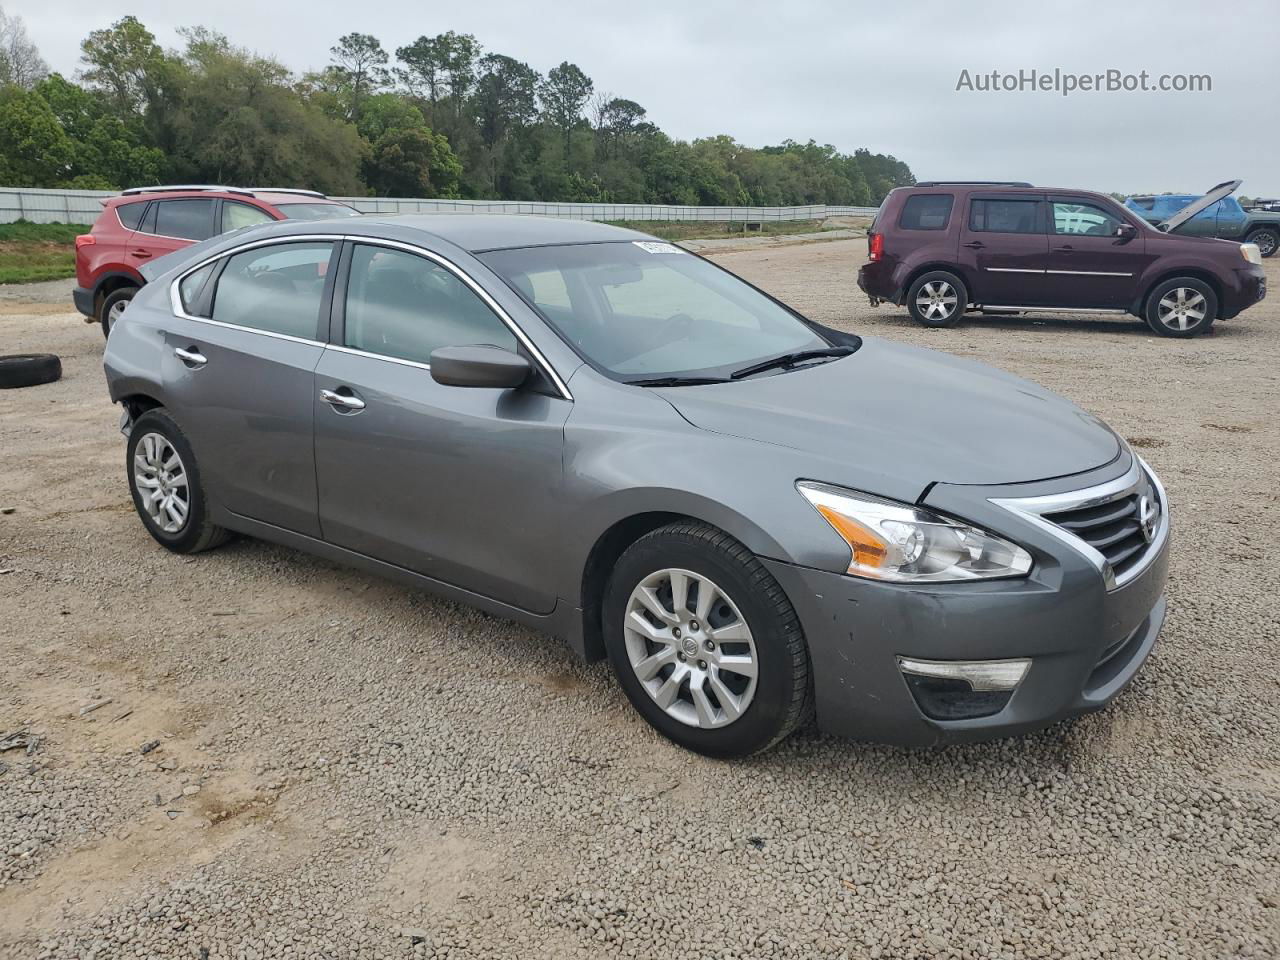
(906,544)
(1251,252)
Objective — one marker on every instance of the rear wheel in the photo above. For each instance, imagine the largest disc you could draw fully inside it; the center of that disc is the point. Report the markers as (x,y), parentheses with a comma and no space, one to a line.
(1267,239)
(113,305)
(165,482)
(1181,307)
(705,643)
(937,299)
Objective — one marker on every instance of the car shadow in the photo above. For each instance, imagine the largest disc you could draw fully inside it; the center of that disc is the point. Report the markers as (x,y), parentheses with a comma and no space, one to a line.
(1123,325)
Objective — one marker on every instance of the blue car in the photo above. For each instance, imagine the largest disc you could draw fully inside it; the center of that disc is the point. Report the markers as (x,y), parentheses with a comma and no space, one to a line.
(1225,218)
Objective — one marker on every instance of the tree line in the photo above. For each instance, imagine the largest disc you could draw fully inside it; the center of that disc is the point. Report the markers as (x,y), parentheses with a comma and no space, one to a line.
(437,117)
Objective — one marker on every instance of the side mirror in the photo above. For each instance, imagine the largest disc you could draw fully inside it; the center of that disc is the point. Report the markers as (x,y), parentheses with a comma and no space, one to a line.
(1126,231)
(480,365)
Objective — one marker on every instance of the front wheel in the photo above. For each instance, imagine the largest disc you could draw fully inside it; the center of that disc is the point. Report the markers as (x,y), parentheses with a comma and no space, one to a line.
(1268,241)
(705,643)
(1181,307)
(937,299)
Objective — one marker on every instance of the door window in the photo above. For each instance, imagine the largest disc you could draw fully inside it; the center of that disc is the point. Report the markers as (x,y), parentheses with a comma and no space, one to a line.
(236,215)
(186,219)
(1084,219)
(402,305)
(192,285)
(1004,216)
(277,289)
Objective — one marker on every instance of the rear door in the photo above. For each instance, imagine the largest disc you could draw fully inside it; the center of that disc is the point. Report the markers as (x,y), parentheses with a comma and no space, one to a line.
(1089,265)
(1004,249)
(239,374)
(170,225)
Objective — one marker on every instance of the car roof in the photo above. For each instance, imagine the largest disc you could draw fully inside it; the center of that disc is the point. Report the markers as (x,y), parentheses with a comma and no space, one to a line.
(478,233)
(263,196)
(1003,188)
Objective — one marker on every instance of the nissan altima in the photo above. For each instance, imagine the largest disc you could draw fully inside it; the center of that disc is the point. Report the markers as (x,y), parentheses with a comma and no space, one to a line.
(756,518)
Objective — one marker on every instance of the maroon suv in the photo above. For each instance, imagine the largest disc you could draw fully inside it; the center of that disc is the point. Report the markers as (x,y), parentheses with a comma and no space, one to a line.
(147,222)
(942,248)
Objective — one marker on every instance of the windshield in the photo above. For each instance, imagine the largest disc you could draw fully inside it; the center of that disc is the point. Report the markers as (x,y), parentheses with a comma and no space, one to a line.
(647,310)
(316,211)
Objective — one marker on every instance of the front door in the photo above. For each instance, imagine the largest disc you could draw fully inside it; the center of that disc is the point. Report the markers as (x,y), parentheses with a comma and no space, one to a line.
(1004,249)
(171,225)
(1089,265)
(239,367)
(459,484)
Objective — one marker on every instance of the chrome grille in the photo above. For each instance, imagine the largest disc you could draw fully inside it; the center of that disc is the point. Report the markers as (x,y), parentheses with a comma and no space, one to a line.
(1114,529)
(1121,525)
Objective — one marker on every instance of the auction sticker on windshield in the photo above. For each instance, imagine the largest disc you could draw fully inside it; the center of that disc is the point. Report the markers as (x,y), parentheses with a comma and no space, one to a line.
(652,247)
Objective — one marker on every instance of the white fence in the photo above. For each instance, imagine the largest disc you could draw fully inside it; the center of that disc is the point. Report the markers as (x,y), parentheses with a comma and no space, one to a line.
(83,206)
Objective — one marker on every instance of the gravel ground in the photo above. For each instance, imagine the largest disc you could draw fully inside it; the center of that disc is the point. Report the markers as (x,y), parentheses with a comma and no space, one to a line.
(336,767)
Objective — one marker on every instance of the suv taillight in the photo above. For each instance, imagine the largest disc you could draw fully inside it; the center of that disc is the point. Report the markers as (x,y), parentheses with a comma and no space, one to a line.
(875,246)
(85,240)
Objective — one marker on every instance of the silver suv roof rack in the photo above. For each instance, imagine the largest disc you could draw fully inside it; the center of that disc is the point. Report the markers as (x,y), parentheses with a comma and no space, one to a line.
(302,193)
(183,188)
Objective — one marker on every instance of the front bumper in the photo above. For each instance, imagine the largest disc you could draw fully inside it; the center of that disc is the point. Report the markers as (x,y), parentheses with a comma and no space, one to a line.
(83,299)
(1085,642)
(1250,287)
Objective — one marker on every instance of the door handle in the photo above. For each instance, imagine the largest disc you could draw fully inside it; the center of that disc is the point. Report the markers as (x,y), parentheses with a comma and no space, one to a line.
(1065,248)
(140,254)
(342,401)
(191,356)
(975,244)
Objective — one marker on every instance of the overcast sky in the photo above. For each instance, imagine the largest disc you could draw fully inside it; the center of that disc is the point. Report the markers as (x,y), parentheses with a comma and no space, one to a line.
(880,75)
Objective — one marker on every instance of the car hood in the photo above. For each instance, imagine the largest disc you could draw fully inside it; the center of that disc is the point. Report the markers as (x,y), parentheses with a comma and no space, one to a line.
(1214,194)
(917,415)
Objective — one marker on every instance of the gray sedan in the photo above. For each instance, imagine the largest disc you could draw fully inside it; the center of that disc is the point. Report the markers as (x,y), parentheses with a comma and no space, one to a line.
(756,518)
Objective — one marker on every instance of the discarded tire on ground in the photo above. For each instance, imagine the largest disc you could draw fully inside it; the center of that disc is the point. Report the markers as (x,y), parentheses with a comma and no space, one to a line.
(29,369)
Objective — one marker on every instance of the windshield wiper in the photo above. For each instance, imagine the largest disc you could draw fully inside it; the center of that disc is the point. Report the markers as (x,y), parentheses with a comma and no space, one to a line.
(789,359)
(676,381)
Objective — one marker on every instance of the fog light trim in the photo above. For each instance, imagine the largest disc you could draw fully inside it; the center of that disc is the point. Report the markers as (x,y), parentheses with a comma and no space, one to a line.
(983,676)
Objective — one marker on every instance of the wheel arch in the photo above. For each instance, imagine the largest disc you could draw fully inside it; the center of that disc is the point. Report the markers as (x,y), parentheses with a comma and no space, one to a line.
(1139,306)
(947,267)
(109,283)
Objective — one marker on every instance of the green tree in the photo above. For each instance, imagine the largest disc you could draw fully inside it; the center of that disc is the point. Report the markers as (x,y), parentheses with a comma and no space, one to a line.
(358,58)
(413,162)
(563,94)
(34,149)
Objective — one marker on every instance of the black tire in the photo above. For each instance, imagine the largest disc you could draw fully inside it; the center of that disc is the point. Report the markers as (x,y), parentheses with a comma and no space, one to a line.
(1267,239)
(1153,309)
(940,280)
(111,300)
(196,532)
(29,369)
(782,696)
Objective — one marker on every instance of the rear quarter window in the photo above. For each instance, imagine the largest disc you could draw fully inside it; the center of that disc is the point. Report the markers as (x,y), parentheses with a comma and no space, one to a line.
(926,211)
(130,214)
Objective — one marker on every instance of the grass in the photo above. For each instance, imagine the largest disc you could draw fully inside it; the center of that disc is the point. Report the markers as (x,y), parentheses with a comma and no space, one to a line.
(38,251)
(713,230)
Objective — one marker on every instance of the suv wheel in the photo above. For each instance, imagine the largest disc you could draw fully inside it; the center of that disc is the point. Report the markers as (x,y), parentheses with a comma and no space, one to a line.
(1268,241)
(113,305)
(938,299)
(704,642)
(165,482)
(1181,307)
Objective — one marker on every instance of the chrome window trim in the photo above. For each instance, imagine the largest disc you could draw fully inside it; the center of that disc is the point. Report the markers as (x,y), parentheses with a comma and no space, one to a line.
(1012,270)
(175,299)
(357,352)
(1033,510)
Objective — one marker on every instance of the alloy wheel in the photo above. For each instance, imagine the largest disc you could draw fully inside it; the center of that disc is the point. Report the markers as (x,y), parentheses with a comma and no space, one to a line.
(691,648)
(1181,307)
(115,312)
(936,300)
(161,480)
(1266,244)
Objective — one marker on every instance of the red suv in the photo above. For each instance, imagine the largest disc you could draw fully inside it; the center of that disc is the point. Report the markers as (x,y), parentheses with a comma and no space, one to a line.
(147,222)
(942,248)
